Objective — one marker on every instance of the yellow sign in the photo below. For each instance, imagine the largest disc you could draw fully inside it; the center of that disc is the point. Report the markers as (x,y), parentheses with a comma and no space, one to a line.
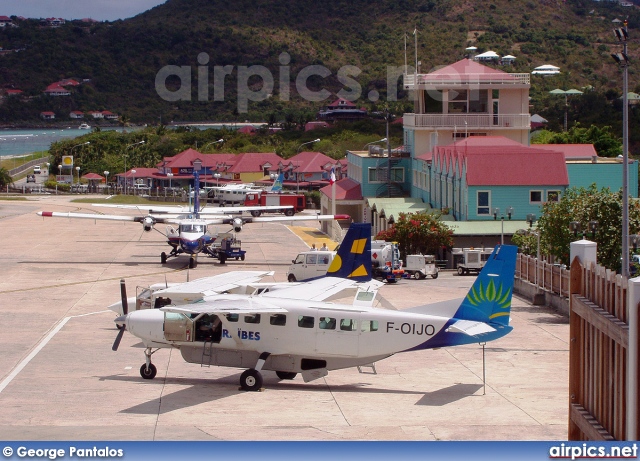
(67,160)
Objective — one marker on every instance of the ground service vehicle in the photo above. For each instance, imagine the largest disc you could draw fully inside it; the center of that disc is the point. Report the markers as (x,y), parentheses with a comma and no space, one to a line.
(226,246)
(297,201)
(386,262)
(469,259)
(309,265)
(36,169)
(420,266)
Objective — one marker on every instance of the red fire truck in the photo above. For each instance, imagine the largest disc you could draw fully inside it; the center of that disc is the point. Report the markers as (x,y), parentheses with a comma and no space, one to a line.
(297,201)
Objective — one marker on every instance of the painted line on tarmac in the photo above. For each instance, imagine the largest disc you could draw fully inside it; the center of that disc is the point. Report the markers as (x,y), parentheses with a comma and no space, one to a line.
(43,287)
(39,347)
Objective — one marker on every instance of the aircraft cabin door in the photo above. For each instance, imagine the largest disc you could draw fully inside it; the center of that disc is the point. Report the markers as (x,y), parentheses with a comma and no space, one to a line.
(337,333)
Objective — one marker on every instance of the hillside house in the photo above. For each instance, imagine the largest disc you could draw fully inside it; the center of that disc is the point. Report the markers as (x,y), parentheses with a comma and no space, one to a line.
(47,115)
(76,114)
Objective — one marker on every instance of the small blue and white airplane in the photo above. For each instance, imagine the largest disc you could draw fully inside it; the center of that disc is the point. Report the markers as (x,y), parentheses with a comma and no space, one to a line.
(191,237)
(296,330)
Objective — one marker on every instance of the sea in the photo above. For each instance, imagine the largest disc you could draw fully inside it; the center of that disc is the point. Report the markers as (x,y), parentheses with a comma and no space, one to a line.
(17,142)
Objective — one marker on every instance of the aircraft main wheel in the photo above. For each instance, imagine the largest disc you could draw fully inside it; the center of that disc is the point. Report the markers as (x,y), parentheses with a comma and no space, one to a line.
(192,263)
(163,258)
(286,374)
(292,278)
(251,380)
(148,373)
(460,271)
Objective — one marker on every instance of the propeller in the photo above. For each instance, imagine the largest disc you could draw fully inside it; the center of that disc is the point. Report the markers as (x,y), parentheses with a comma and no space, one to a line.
(121,319)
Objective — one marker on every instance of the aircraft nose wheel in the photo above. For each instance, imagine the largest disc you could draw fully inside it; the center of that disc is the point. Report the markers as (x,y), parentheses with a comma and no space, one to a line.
(148,373)
(251,380)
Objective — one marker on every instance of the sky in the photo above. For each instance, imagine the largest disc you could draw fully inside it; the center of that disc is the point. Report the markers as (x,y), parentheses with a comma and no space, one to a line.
(100,10)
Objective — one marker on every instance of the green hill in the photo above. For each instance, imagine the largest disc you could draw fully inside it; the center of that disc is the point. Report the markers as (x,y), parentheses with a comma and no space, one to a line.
(121,60)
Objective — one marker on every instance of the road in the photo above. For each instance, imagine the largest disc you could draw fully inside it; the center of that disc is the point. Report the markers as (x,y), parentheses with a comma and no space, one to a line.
(59,379)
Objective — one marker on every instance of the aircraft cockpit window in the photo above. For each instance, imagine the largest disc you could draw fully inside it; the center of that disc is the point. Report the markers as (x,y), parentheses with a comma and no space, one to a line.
(327,323)
(252,318)
(192,228)
(347,325)
(232,317)
(369,325)
(305,321)
(278,319)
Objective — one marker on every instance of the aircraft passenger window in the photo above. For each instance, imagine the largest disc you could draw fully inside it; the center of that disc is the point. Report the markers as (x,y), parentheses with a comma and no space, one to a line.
(278,319)
(252,318)
(327,323)
(347,325)
(305,321)
(232,317)
(369,325)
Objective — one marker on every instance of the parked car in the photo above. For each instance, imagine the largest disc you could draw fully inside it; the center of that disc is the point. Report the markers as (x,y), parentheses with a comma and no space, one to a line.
(31,178)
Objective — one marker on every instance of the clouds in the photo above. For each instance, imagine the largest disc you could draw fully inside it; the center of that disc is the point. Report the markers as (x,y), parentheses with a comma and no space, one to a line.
(100,10)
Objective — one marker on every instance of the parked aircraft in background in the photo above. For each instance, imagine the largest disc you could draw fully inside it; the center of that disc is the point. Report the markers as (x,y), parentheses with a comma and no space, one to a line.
(291,333)
(191,236)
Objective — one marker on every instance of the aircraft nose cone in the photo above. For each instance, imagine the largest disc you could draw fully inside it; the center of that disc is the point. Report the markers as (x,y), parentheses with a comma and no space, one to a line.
(122,320)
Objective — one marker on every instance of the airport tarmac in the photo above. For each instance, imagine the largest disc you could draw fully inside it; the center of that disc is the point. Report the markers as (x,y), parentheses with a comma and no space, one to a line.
(60,380)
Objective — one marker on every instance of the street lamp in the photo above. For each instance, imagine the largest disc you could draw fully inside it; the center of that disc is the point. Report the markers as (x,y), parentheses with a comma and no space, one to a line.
(197,166)
(106,180)
(305,143)
(217,176)
(496,212)
(78,173)
(169,175)
(623,61)
(373,142)
(125,163)
(212,142)
(48,171)
(566,100)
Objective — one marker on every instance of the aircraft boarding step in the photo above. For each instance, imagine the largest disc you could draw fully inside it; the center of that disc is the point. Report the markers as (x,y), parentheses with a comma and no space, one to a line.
(370,365)
(206,352)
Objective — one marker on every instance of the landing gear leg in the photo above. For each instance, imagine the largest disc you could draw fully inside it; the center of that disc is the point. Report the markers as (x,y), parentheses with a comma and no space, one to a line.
(251,379)
(148,370)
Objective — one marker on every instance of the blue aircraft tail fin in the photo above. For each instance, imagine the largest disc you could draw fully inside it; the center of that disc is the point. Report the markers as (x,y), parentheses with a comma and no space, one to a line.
(489,299)
(353,258)
(277,184)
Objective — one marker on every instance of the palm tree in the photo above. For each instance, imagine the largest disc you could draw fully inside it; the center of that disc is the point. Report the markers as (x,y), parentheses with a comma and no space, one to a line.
(5,178)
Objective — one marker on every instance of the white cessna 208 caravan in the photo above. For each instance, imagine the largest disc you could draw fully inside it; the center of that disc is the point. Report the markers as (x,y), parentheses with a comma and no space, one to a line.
(295,330)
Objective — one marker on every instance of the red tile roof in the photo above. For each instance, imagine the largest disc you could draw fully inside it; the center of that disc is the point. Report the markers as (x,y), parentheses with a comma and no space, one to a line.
(346,189)
(498,161)
(571,151)
(252,162)
(465,70)
(311,162)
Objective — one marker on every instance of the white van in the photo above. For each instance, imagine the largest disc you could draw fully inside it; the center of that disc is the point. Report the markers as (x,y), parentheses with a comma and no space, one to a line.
(309,265)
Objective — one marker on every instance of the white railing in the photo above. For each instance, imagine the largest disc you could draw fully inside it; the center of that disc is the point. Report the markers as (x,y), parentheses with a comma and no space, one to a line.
(548,277)
(493,79)
(468,121)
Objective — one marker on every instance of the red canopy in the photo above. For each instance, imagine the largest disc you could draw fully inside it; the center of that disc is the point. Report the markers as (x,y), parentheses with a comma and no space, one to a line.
(92,176)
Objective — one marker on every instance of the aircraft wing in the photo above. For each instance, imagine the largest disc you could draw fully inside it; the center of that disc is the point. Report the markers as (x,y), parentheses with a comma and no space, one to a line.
(177,209)
(320,289)
(319,217)
(206,286)
(244,305)
(156,219)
